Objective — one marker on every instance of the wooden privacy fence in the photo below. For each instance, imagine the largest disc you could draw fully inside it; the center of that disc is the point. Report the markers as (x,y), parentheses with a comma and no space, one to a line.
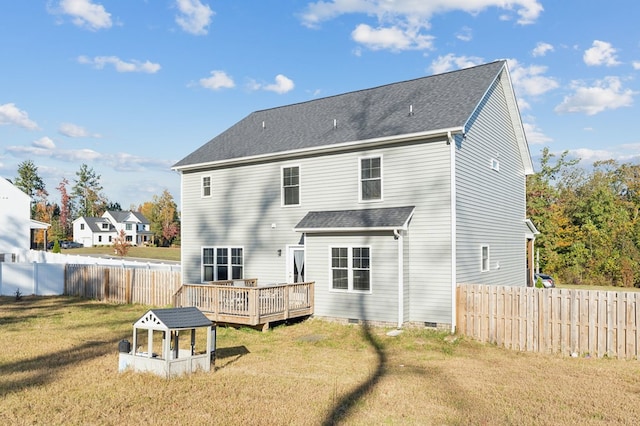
(122,285)
(567,321)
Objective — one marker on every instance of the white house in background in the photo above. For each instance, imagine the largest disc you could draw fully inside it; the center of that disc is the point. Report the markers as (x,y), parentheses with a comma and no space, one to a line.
(15,219)
(101,231)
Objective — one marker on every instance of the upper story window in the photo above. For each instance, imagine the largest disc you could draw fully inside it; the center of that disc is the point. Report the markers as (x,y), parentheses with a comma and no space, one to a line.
(370,179)
(129,226)
(351,268)
(484,263)
(495,164)
(82,226)
(291,186)
(105,225)
(206,186)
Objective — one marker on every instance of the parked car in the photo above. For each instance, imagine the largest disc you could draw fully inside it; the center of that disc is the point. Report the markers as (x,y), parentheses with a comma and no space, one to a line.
(547,280)
(70,245)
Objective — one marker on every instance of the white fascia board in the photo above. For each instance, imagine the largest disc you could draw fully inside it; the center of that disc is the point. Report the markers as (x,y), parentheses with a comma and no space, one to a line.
(323,149)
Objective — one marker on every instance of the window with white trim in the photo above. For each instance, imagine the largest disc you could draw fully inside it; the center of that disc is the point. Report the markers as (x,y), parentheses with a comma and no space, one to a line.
(222,263)
(495,164)
(206,186)
(351,268)
(370,179)
(291,186)
(484,263)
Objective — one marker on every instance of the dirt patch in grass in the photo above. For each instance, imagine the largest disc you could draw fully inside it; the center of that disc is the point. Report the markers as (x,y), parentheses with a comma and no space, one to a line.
(59,366)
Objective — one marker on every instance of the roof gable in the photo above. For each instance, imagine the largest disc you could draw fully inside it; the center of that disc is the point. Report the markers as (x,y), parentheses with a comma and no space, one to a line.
(173,318)
(416,107)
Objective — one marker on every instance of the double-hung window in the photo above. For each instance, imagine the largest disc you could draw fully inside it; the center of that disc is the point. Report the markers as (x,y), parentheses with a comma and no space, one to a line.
(370,179)
(291,186)
(206,186)
(222,263)
(351,268)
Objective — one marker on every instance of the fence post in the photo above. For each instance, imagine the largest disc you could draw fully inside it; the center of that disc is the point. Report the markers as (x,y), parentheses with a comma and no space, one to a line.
(128,286)
(105,286)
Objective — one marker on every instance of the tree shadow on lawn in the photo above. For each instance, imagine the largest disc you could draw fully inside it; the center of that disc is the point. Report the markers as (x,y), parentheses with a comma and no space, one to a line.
(43,369)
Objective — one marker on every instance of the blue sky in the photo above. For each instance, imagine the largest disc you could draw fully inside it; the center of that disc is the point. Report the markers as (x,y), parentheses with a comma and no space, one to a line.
(131,87)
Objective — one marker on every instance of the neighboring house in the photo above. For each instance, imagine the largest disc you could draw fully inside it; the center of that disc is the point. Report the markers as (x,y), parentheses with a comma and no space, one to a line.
(15,219)
(386,198)
(101,231)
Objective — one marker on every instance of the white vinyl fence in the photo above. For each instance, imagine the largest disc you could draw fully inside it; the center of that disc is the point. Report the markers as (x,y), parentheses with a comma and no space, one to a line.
(43,273)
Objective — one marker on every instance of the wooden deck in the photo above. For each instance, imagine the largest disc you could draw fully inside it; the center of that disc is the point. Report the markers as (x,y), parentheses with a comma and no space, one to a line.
(244,302)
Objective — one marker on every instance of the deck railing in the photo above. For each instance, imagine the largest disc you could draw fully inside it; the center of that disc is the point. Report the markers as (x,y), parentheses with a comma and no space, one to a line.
(247,303)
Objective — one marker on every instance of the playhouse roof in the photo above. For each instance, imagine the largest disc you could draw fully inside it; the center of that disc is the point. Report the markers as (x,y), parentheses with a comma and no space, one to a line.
(173,318)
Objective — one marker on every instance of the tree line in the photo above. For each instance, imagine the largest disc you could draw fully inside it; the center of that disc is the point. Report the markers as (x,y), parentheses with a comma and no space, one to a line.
(84,196)
(588,219)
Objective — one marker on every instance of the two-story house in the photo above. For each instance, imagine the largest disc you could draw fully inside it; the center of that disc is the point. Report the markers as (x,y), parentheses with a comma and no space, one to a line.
(386,198)
(16,225)
(99,231)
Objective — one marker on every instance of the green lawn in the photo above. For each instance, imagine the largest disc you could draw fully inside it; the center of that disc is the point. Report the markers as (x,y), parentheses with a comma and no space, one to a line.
(61,367)
(160,253)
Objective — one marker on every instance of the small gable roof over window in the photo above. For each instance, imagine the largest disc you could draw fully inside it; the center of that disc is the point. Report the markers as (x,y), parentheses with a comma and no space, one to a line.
(173,318)
(384,219)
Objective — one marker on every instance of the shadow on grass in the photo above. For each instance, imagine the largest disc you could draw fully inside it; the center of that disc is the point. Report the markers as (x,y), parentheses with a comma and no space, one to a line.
(42,369)
(236,351)
(345,404)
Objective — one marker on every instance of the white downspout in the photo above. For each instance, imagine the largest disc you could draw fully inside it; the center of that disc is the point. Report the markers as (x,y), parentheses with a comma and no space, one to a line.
(452,174)
(398,236)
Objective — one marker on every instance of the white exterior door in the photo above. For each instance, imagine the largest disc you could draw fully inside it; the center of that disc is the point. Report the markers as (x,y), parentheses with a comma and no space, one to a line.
(295,264)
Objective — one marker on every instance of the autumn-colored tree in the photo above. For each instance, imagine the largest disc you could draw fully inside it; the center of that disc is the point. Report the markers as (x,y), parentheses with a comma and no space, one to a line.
(162,214)
(64,218)
(120,244)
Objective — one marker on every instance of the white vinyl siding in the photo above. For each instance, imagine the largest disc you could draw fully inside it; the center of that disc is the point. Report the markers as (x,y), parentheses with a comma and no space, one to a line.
(490,203)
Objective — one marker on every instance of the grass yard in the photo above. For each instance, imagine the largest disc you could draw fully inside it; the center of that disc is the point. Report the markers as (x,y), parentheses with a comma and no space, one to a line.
(159,253)
(59,365)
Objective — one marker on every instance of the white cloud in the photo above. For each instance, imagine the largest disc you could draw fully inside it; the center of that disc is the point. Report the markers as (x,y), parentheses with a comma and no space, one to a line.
(451,62)
(601,53)
(218,80)
(392,38)
(602,95)
(86,14)
(44,142)
(74,131)
(412,13)
(119,161)
(121,66)
(535,136)
(590,156)
(541,49)
(465,34)
(636,65)
(194,16)
(282,85)
(10,114)
(530,81)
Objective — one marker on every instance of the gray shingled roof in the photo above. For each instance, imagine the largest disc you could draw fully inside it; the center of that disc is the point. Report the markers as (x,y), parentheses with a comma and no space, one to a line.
(383,218)
(438,102)
(181,317)
(95,224)
(121,216)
